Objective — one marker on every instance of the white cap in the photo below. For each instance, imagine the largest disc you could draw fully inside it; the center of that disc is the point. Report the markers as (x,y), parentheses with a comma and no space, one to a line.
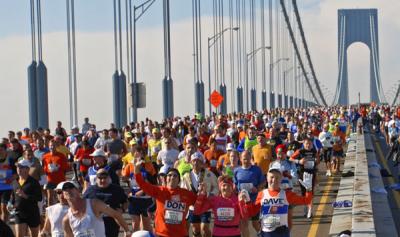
(275,166)
(75,127)
(230,147)
(240,125)
(60,186)
(25,163)
(197,156)
(99,152)
(142,233)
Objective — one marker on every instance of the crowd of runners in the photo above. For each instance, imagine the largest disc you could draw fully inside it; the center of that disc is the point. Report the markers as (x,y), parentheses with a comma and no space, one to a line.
(210,176)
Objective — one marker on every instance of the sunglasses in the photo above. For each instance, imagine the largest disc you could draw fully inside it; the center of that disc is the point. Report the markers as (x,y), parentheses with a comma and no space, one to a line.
(102,177)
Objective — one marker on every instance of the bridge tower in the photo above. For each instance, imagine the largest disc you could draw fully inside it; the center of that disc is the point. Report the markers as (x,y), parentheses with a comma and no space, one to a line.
(358,25)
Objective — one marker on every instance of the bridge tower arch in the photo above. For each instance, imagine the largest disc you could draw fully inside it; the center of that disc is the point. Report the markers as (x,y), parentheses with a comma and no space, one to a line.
(358,25)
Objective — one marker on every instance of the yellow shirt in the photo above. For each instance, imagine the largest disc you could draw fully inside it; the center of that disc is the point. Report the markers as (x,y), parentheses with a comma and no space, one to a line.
(128,158)
(154,148)
(262,156)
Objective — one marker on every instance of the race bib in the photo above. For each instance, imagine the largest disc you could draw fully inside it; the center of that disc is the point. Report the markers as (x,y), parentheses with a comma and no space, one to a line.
(87,233)
(246,186)
(174,212)
(309,164)
(271,222)
(57,233)
(173,217)
(225,213)
(52,167)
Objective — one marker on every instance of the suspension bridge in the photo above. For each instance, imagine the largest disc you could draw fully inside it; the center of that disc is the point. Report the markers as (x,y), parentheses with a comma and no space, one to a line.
(252,55)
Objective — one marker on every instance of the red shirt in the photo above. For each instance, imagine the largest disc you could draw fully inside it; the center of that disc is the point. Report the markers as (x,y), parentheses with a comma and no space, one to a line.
(55,165)
(172,207)
(85,160)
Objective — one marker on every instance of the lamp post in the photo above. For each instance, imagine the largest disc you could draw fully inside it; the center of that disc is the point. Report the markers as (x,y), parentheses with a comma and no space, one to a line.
(284,93)
(253,95)
(214,39)
(272,66)
(142,8)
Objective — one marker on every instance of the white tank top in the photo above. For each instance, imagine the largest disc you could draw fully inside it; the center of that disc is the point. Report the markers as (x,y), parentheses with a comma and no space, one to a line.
(55,215)
(274,211)
(89,225)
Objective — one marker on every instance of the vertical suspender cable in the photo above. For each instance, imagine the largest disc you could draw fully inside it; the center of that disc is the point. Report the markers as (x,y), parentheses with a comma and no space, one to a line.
(231,55)
(115,36)
(244,58)
(39,16)
(33,38)
(120,35)
(74,62)
(271,56)
(71,109)
(127,41)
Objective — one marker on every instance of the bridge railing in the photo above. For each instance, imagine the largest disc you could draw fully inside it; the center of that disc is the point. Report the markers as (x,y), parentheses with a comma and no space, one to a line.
(362,184)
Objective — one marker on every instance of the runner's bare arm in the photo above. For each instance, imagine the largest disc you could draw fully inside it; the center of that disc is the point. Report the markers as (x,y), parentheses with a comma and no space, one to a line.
(67,227)
(100,207)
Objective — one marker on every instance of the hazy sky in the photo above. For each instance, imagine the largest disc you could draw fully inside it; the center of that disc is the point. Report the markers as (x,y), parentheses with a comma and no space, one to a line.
(95,55)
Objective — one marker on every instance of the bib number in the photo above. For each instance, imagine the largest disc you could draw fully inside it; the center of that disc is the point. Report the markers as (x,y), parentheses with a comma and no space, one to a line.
(309,164)
(87,233)
(173,217)
(57,233)
(271,222)
(225,214)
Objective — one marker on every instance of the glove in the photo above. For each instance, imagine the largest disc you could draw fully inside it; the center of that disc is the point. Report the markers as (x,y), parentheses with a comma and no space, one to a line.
(307,181)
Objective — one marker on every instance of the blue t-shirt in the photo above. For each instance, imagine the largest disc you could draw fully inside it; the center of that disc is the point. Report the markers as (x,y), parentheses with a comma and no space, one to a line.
(248,178)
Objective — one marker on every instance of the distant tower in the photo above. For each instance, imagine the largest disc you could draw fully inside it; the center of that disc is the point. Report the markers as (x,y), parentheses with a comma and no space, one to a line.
(358,25)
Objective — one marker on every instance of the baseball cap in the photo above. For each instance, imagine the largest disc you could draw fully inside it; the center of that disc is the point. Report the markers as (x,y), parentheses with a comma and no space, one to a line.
(240,125)
(128,134)
(24,163)
(275,166)
(197,156)
(99,152)
(68,185)
(230,147)
(155,130)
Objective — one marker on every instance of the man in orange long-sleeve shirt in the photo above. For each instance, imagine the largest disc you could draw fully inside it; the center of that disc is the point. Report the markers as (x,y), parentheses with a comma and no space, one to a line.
(273,204)
(55,166)
(172,203)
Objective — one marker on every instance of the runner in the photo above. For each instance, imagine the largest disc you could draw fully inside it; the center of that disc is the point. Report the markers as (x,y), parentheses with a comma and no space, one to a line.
(172,203)
(250,178)
(273,205)
(326,139)
(7,176)
(139,202)
(200,223)
(112,195)
(308,160)
(55,166)
(27,195)
(84,215)
(225,208)
(54,215)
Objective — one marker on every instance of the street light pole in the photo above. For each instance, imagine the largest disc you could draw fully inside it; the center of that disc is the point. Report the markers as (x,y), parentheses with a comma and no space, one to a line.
(214,39)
